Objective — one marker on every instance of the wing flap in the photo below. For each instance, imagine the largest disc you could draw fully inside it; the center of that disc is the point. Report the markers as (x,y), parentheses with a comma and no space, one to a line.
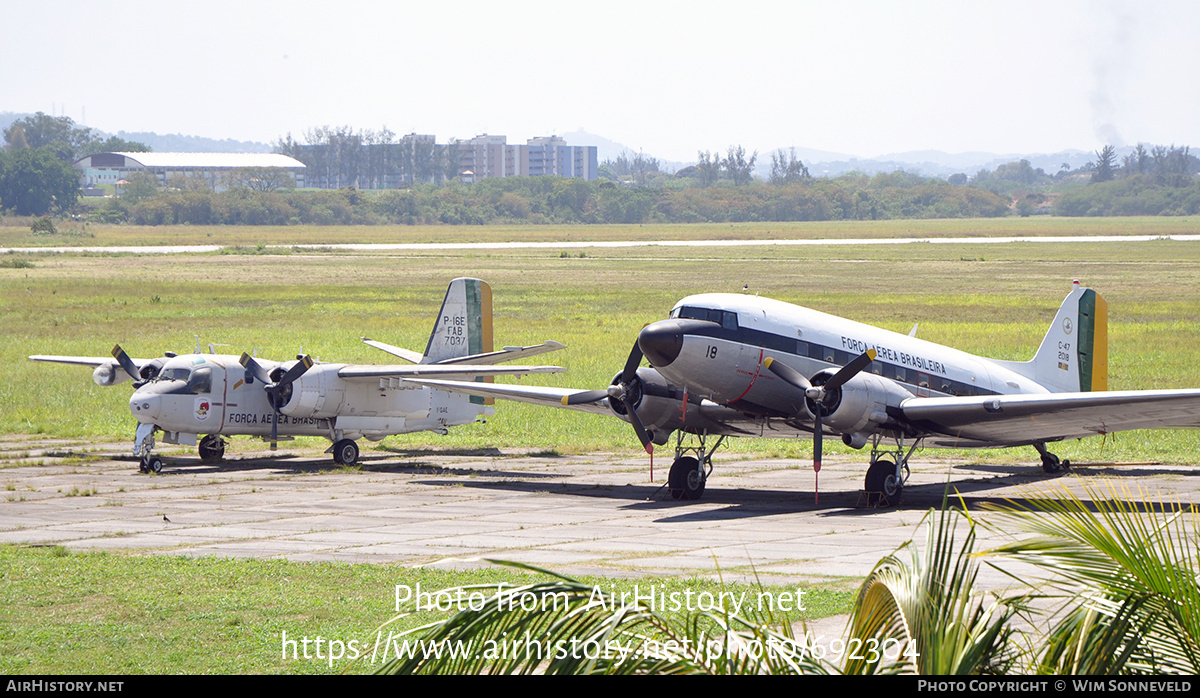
(1013,420)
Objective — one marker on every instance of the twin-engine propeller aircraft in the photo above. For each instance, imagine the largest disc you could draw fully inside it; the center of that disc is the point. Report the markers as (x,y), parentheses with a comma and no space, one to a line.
(736,365)
(221,395)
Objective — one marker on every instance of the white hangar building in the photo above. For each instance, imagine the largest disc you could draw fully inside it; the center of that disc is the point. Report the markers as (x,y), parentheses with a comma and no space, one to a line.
(110,168)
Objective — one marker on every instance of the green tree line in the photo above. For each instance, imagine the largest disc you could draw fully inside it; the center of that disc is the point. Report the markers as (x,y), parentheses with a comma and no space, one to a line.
(561,200)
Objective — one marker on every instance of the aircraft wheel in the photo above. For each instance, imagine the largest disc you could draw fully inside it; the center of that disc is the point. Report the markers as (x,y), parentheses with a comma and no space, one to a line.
(144,465)
(685,480)
(155,464)
(881,478)
(212,448)
(345,452)
(1052,466)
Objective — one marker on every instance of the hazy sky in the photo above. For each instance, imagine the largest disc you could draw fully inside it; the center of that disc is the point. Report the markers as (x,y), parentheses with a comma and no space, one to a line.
(671,78)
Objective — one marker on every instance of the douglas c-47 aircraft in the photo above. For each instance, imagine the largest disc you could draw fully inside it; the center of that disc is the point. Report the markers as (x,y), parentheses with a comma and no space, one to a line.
(222,395)
(737,365)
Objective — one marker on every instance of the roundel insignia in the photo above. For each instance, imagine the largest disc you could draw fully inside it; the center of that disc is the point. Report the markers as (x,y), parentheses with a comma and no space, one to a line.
(1067,325)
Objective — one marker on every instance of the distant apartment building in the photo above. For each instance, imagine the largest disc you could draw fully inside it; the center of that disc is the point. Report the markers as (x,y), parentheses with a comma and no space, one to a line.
(417,158)
(490,156)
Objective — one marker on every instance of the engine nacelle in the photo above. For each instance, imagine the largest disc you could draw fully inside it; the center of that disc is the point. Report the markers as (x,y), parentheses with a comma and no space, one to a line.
(860,405)
(657,403)
(317,394)
(109,373)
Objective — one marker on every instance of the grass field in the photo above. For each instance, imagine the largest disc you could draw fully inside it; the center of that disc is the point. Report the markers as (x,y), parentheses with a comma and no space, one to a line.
(86,613)
(98,613)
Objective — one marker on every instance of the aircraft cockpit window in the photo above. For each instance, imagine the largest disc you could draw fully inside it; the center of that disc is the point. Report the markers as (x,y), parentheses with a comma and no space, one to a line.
(201,380)
(687,313)
(729,320)
(174,374)
(674,313)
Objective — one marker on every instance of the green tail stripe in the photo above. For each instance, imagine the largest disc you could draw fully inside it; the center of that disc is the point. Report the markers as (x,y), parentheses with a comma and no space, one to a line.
(1086,338)
(474,317)
(474,294)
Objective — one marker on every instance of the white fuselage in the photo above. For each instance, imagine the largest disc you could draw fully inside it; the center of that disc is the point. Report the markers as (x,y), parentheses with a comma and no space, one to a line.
(214,394)
(724,361)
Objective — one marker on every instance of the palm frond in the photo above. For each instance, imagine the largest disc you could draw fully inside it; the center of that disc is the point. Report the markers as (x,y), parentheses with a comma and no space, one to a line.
(1127,573)
(923,602)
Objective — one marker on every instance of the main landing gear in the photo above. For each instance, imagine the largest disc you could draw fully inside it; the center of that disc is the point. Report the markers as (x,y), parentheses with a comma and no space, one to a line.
(150,464)
(345,452)
(212,448)
(888,472)
(1051,465)
(689,473)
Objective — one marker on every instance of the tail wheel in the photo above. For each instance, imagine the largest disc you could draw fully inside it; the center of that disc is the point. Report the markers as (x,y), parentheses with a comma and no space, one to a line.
(686,481)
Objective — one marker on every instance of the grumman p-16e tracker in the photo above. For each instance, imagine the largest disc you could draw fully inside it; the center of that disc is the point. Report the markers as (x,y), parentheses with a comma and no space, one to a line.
(184,396)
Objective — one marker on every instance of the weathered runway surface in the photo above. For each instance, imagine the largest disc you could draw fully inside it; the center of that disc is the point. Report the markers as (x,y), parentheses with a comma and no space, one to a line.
(591,514)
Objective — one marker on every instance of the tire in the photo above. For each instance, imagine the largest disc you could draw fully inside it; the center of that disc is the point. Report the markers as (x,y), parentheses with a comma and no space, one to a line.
(345,452)
(685,481)
(1051,465)
(881,478)
(212,448)
(155,464)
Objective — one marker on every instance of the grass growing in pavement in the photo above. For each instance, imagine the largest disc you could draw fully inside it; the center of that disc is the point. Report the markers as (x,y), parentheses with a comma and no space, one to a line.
(100,613)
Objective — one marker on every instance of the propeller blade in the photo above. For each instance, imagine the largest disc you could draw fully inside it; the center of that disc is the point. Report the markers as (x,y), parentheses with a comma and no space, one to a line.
(126,362)
(850,370)
(631,364)
(273,389)
(788,374)
(818,435)
(584,396)
(639,428)
(260,374)
(297,370)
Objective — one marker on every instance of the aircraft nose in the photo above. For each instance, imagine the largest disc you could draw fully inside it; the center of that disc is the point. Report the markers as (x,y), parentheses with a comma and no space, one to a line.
(145,408)
(661,342)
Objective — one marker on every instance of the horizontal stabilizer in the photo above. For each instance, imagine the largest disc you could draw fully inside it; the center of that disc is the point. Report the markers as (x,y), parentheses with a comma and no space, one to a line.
(506,354)
(406,354)
(440,371)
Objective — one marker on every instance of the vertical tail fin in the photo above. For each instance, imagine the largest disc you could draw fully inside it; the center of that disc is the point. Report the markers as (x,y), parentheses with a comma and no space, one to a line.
(464,325)
(1073,356)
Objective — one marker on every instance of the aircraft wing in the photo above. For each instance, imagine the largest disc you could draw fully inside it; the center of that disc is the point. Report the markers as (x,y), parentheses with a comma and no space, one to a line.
(92,361)
(440,371)
(1016,420)
(533,394)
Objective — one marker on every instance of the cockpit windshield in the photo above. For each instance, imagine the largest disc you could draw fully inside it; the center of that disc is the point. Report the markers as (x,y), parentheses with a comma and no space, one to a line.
(724,318)
(185,379)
